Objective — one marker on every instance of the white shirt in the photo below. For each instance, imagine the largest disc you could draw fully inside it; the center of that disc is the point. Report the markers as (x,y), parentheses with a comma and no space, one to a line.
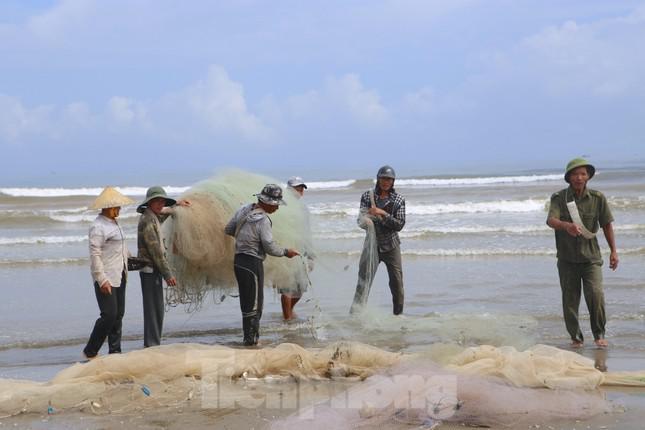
(108,252)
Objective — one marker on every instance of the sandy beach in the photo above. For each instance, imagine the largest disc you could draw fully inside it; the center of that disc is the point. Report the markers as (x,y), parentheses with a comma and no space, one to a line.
(479,266)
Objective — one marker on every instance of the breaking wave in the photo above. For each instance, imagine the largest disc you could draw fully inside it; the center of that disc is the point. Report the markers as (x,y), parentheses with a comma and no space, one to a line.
(499,206)
(91,191)
(321,185)
(476,252)
(46,240)
(486,180)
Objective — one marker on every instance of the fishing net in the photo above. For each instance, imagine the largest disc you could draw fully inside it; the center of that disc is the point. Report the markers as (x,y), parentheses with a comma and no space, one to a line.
(482,386)
(368,263)
(381,385)
(540,366)
(423,395)
(171,374)
(201,254)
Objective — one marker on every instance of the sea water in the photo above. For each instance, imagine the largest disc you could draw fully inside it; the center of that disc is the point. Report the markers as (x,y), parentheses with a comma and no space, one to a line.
(478,260)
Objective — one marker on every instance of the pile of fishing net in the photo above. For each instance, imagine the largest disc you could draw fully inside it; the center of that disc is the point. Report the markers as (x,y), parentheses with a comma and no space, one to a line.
(172,374)
(482,385)
(201,254)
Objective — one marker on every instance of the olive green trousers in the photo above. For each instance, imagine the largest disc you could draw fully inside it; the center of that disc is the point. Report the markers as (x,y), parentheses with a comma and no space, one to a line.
(586,278)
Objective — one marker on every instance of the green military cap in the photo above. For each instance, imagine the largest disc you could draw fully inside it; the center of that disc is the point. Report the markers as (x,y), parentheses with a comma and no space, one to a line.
(579,162)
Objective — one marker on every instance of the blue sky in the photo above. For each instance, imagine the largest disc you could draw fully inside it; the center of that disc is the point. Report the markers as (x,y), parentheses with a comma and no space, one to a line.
(133,90)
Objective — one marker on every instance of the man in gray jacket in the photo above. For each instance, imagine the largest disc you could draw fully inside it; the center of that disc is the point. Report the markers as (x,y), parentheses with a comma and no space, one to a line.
(251,227)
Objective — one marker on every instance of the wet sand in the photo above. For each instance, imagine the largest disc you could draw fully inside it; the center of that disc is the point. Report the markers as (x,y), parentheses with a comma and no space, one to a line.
(628,414)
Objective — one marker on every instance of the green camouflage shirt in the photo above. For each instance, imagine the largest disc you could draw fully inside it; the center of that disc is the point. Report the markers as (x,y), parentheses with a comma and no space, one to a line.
(594,213)
(150,243)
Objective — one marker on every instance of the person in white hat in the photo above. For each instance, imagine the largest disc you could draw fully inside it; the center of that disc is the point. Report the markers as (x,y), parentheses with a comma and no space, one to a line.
(109,267)
(291,294)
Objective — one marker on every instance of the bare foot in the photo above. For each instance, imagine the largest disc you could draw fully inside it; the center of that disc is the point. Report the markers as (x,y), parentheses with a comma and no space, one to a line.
(576,344)
(602,343)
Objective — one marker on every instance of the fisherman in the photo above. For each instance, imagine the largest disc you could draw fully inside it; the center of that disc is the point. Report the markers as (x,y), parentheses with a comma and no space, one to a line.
(251,227)
(385,208)
(108,264)
(291,294)
(576,213)
(154,210)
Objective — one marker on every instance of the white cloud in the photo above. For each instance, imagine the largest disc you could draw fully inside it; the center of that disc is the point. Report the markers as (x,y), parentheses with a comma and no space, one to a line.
(125,111)
(16,120)
(604,58)
(220,104)
(58,23)
(341,99)
(210,107)
(363,105)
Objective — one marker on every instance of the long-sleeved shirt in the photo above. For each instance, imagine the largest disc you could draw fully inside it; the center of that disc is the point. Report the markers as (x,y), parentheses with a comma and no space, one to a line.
(150,242)
(251,227)
(388,226)
(108,252)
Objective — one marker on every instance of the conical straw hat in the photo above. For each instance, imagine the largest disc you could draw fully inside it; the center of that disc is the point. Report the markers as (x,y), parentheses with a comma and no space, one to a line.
(110,198)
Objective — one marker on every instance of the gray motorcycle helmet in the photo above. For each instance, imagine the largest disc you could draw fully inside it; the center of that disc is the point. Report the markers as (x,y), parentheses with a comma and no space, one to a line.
(386,172)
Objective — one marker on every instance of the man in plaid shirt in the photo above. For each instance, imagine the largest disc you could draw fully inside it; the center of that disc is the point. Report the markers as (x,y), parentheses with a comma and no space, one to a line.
(386,209)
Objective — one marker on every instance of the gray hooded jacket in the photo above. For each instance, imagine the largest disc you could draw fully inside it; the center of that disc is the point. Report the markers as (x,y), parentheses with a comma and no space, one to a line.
(251,228)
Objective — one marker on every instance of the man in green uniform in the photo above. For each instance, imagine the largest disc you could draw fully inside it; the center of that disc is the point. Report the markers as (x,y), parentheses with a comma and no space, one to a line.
(576,213)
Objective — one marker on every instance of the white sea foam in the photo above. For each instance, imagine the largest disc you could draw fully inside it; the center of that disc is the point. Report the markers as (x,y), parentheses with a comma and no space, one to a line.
(411,233)
(321,185)
(43,261)
(445,182)
(528,205)
(486,180)
(482,252)
(499,206)
(46,240)
(88,217)
(72,215)
(327,185)
(66,192)
(468,252)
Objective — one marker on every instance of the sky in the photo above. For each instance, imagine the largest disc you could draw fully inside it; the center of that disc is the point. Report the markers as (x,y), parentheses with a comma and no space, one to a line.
(132,91)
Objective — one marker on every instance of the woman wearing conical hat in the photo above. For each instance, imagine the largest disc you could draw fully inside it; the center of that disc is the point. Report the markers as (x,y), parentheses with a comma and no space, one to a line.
(109,267)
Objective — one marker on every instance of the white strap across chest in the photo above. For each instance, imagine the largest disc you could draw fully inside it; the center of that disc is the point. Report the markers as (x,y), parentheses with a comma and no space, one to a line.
(575,217)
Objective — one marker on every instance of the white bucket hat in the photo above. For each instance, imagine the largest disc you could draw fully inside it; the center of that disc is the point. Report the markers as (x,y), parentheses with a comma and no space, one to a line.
(110,198)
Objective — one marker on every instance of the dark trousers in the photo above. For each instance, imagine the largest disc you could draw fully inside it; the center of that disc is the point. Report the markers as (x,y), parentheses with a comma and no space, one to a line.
(112,307)
(249,272)
(153,308)
(392,260)
(587,278)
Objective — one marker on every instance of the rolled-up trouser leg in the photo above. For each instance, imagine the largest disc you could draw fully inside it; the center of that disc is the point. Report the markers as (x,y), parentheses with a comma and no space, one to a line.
(571,286)
(595,298)
(153,308)
(392,260)
(249,272)
(366,272)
